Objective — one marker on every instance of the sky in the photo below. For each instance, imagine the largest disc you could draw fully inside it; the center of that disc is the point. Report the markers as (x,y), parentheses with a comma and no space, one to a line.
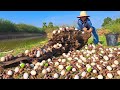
(36,18)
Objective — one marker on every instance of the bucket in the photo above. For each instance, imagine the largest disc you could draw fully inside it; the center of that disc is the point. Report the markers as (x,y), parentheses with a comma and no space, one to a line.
(112,39)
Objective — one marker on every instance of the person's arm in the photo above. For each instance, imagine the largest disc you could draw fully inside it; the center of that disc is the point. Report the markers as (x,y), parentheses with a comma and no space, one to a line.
(90,25)
(79,25)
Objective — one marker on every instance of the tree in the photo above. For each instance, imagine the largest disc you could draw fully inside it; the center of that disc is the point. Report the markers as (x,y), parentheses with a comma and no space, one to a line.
(44,25)
(106,21)
(50,25)
(117,20)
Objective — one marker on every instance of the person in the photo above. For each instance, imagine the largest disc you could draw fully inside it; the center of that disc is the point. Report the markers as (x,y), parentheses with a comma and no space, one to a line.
(84,24)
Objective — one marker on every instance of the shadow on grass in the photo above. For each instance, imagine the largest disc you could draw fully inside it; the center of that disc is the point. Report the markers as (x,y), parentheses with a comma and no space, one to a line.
(101,42)
(118,43)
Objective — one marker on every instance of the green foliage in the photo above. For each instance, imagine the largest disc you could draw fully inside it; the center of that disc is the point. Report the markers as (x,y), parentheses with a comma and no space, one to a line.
(106,21)
(113,26)
(50,27)
(8,26)
(28,28)
(44,25)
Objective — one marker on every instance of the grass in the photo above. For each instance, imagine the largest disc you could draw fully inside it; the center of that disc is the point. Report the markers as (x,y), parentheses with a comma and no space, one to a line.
(102,39)
(26,45)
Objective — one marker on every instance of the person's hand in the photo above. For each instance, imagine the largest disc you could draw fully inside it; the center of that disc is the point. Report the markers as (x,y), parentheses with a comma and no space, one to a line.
(85,29)
(90,30)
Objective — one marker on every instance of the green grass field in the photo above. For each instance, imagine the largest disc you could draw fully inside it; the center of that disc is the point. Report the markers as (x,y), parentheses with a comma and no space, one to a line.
(25,45)
(102,41)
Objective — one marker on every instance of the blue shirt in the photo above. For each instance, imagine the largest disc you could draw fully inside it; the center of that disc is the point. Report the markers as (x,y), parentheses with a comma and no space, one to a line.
(86,24)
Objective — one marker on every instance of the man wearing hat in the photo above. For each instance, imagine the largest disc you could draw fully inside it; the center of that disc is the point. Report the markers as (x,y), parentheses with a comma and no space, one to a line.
(84,23)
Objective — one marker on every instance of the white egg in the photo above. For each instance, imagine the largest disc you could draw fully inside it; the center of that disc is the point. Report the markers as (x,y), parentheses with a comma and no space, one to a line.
(2,59)
(10,72)
(17,69)
(118,72)
(76,29)
(110,55)
(88,65)
(58,31)
(113,65)
(105,62)
(92,64)
(56,75)
(78,65)
(69,58)
(76,58)
(48,69)
(60,45)
(49,60)
(56,63)
(100,77)
(76,77)
(109,75)
(107,49)
(106,58)
(73,69)
(64,54)
(84,53)
(68,54)
(38,54)
(102,52)
(86,47)
(54,32)
(33,72)
(59,60)
(83,74)
(83,59)
(60,67)
(62,72)
(60,28)
(44,71)
(41,64)
(93,51)
(25,75)
(83,32)
(94,71)
(26,52)
(35,67)
(67,28)
(79,61)
(109,68)
(101,49)
(37,64)
(118,53)
(63,60)
(92,78)
(43,61)
(88,55)
(116,62)
(101,61)
(98,66)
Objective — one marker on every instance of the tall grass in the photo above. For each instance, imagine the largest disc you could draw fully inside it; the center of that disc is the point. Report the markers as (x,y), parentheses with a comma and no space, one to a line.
(113,27)
(8,26)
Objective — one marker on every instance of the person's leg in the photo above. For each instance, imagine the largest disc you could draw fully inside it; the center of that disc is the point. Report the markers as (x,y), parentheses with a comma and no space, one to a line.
(95,36)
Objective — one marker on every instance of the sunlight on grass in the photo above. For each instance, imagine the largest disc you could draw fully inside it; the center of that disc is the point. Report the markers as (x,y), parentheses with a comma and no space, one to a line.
(29,46)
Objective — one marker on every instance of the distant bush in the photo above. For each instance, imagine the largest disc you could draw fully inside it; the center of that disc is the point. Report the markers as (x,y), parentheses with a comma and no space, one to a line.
(113,26)
(28,28)
(8,26)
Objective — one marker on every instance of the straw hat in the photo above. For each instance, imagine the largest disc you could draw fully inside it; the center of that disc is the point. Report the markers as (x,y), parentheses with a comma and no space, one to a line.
(83,14)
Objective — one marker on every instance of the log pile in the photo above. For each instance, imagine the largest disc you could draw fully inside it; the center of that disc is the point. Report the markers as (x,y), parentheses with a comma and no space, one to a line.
(62,41)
